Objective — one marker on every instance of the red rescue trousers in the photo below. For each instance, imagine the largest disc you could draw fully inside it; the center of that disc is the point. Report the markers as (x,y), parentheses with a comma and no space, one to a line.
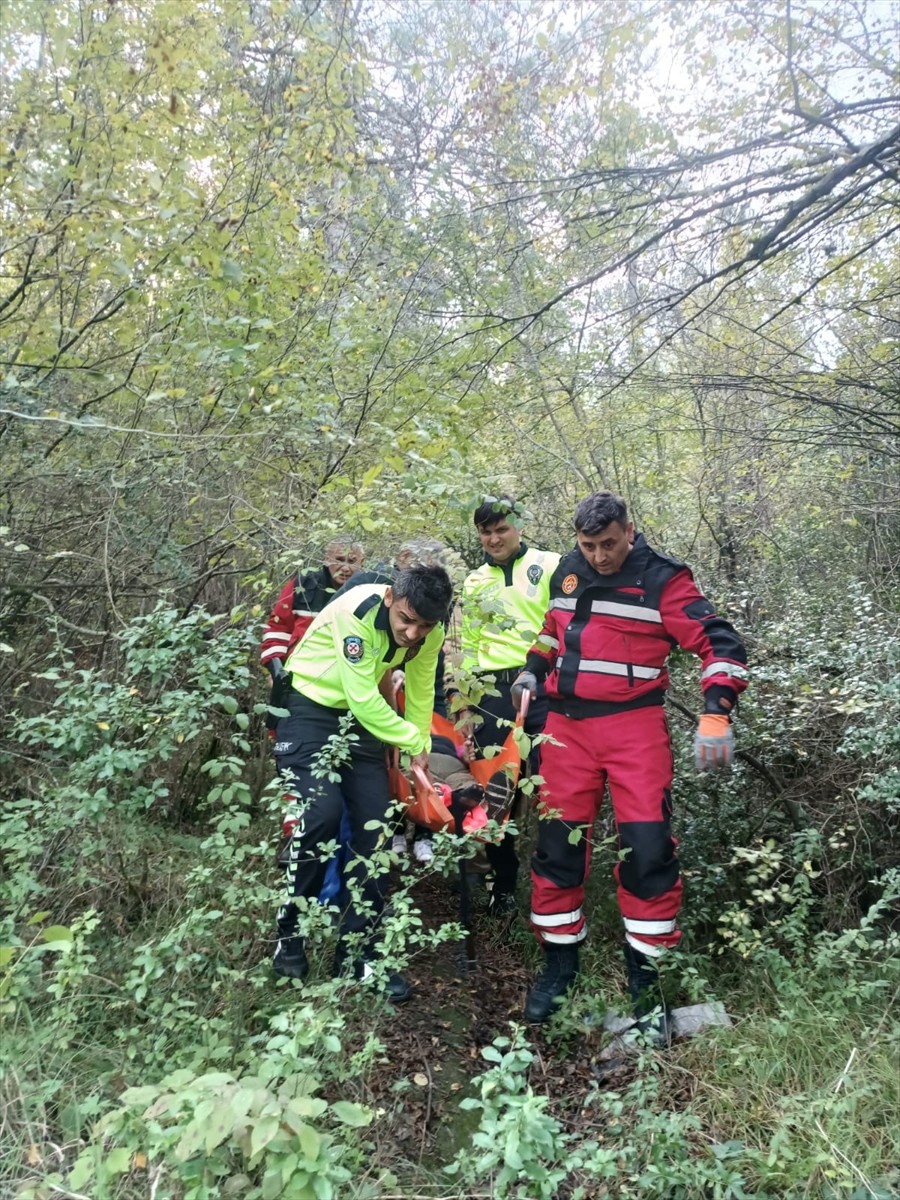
(630,750)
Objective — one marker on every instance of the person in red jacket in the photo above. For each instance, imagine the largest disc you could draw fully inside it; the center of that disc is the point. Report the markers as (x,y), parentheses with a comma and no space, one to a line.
(305,595)
(617,609)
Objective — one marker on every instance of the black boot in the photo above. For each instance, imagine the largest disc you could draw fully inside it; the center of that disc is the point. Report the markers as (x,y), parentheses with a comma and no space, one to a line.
(290,958)
(503,906)
(649,1007)
(396,988)
(558,975)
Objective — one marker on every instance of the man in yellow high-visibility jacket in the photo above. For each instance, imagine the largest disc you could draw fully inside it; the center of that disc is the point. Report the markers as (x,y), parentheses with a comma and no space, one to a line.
(336,670)
(503,605)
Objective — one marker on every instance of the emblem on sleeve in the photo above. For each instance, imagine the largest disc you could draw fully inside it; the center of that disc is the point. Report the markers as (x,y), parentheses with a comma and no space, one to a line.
(534,573)
(353,649)
(569,584)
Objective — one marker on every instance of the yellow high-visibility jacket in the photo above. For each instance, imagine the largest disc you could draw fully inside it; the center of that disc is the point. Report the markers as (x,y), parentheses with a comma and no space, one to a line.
(503,610)
(346,651)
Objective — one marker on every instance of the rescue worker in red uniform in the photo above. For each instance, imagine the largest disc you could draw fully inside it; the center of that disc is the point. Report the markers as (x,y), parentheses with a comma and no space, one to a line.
(302,597)
(617,608)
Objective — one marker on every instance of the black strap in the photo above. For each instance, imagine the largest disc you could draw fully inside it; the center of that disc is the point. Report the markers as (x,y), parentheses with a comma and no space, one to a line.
(509,675)
(577,708)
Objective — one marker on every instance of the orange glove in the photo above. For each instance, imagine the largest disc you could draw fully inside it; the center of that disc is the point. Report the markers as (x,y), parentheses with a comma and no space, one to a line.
(713,742)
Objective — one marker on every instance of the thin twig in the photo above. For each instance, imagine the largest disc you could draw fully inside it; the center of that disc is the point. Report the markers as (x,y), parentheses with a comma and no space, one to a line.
(106,576)
(62,620)
(843,1157)
(65,1192)
(155,1184)
(843,1074)
(427,1116)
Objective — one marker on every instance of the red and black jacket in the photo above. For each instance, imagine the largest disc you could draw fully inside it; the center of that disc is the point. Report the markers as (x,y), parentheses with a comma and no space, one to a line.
(299,601)
(606,638)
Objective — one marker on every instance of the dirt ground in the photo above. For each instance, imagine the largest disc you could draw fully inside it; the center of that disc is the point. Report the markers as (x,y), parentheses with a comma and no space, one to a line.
(435,1042)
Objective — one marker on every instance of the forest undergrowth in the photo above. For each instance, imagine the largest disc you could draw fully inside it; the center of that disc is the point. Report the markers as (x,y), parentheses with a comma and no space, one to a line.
(148,1054)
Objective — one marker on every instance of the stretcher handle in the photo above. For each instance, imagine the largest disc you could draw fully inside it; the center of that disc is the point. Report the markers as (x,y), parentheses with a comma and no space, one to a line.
(422,777)
(523,707)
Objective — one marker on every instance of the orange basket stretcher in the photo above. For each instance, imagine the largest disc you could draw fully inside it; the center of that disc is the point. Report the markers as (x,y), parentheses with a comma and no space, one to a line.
(434,805)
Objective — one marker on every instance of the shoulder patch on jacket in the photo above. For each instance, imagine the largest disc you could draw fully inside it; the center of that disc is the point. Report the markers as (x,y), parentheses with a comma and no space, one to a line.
(354,648)
(699,610)
(566,565)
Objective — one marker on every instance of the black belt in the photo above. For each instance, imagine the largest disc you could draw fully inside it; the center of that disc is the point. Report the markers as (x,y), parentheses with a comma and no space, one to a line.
(577,709)
(301,701)
(510,675)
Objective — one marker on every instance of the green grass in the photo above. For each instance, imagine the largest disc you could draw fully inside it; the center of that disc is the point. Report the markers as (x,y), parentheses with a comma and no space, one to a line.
(807,1080)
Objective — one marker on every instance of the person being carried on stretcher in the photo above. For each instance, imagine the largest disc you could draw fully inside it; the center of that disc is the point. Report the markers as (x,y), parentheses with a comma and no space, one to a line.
(483,787)
(448,767)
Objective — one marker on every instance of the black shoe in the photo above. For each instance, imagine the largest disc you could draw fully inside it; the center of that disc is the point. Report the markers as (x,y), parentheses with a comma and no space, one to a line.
(290,958)
(396,988)
(656,1028)
(551,986)
(503,905)
(648,1004)
(468,796)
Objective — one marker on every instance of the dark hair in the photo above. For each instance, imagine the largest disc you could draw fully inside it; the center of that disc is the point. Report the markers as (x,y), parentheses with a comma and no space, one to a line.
(428,590)
(493,509)
(595,512)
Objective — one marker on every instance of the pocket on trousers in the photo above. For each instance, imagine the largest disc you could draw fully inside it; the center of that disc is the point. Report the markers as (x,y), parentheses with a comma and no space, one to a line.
(667,810)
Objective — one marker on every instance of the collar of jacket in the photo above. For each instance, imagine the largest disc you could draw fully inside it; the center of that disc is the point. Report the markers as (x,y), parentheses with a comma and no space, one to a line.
(319,578)
(631,573)
(383,622)
(520,553)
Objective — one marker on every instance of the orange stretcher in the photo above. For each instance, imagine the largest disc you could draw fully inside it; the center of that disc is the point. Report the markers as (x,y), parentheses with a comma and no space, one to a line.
(428,803)
(433,805)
